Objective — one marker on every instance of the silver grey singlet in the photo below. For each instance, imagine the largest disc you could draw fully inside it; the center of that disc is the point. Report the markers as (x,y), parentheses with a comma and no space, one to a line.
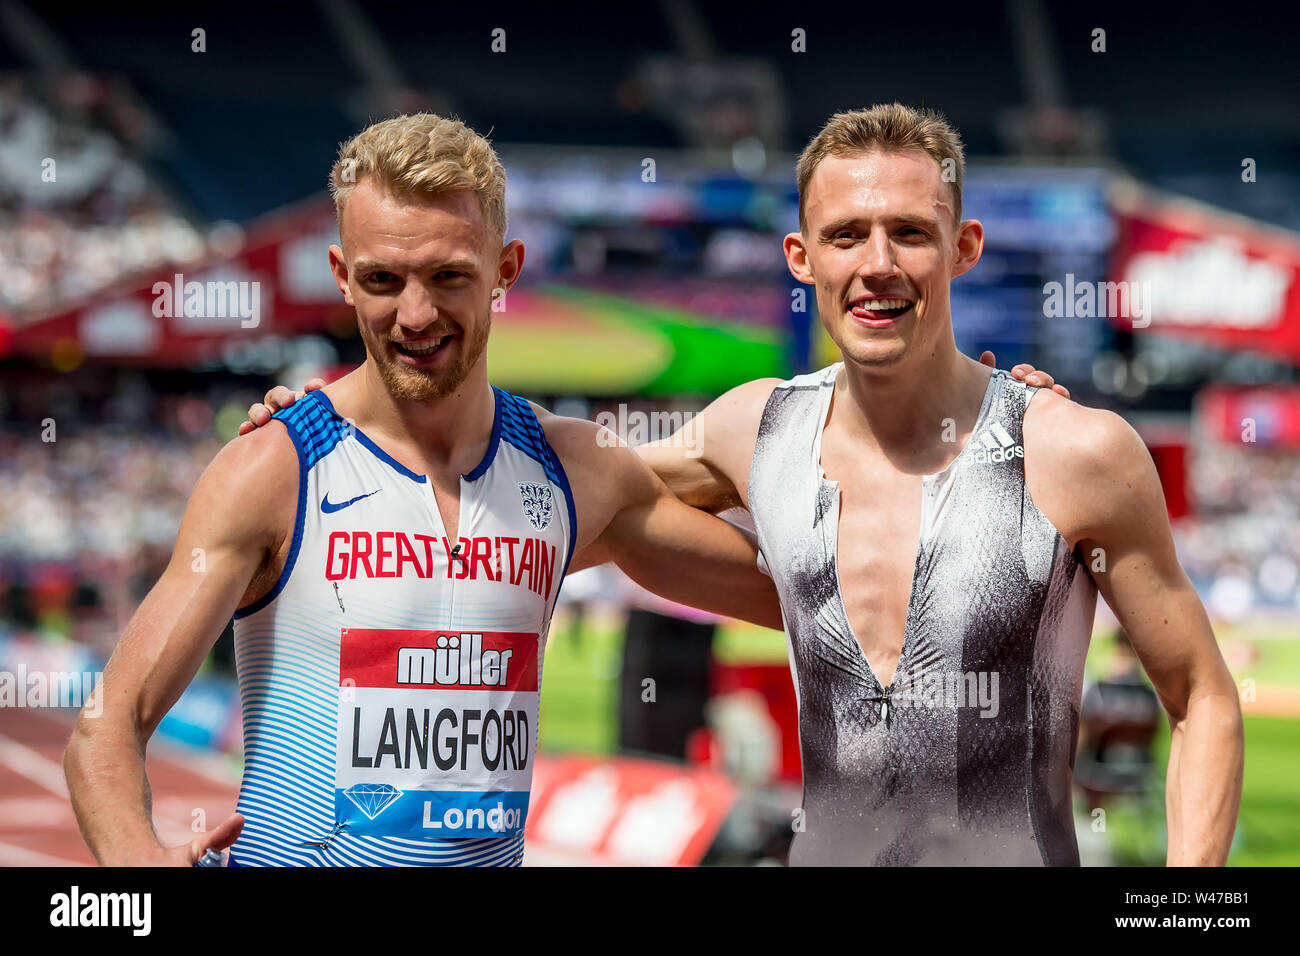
(967,757)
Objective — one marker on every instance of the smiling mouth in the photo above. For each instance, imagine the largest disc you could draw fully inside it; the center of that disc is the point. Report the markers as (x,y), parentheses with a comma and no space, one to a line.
(425,349)
(872,310)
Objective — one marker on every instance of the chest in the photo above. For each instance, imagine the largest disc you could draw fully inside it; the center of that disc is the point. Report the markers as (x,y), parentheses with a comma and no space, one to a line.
(872,539)
(876,533)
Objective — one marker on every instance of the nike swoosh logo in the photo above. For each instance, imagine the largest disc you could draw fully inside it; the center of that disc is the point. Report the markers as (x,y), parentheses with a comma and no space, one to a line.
(329,508)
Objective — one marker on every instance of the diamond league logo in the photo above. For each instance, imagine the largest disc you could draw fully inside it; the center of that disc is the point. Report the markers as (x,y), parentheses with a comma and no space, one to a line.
(537,503)
(372,799)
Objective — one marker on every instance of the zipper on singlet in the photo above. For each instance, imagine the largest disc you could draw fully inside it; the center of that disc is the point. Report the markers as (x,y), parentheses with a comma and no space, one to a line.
(884,705)
(457,559)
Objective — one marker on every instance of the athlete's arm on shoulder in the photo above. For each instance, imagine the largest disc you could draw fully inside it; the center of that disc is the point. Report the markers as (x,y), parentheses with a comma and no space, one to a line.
(706,462)
(627,515)
(1091,474)
(237,520)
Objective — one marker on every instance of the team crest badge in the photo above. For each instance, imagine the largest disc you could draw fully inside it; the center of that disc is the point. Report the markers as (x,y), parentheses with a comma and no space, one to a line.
(537,503)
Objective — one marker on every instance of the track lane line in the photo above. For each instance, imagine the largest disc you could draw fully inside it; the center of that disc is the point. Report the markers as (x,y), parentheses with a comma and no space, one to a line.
(33,765)
(11,855)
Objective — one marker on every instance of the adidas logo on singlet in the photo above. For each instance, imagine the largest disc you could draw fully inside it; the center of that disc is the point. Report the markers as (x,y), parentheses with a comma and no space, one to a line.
(994,445)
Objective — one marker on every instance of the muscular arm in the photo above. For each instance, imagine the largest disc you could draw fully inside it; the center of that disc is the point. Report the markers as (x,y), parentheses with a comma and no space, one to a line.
(1091,474)
(627,515)
(236,521)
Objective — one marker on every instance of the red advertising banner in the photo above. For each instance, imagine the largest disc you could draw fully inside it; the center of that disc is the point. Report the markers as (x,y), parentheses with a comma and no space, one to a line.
(622,811)
(1205,274)
(277,283)
(1267,417)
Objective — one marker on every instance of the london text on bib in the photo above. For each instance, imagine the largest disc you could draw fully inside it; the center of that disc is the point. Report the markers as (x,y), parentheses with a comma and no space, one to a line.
(435,732)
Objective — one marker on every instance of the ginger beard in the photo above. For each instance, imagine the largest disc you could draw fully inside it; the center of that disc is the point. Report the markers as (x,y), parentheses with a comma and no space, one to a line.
(420,384)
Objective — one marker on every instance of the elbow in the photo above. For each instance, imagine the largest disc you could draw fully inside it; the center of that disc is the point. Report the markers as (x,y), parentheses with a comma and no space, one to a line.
(1215,700)
(74,754)
(95,735)
(82,739)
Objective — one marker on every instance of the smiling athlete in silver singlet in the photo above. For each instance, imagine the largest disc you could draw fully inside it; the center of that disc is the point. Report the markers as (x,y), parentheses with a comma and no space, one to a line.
(965,757)
(947,550)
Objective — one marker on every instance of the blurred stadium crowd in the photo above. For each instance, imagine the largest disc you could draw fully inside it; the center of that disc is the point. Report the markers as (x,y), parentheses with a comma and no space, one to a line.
(1242,548)
(95,218)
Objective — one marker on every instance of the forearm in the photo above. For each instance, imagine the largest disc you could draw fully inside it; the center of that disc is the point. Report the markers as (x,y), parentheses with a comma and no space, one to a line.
(110,793)
(743,598)
(160,651)
(1203,787)
(711,565)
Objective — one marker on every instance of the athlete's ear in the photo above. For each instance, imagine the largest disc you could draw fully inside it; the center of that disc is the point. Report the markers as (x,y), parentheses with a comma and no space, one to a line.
(796,258)
(510,264)
(970,246)
(339,266)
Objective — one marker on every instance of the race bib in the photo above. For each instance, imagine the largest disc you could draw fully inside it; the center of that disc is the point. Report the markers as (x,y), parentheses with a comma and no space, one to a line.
(435,732)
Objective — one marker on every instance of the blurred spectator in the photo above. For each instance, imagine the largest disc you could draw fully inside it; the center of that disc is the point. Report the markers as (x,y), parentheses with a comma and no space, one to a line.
(1118,720)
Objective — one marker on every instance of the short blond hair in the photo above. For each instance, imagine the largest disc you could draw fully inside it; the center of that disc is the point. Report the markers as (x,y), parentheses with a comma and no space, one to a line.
(425,154)
(893,128)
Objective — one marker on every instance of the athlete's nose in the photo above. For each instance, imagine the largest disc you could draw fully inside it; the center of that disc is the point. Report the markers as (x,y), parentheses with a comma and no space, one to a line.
(416,309)
(877,257)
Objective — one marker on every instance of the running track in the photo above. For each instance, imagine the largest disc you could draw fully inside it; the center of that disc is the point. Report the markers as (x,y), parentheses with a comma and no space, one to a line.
(37,827)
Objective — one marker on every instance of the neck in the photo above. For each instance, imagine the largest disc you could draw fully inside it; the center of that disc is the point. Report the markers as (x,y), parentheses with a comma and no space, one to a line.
(901,410)
(448,431)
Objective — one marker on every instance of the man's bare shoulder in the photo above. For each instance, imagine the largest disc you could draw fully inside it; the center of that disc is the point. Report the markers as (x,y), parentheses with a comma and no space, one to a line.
(604,473)
(1086,467)
(1085,441)
(742,406)
(263,453)
(252,482)
(580,443)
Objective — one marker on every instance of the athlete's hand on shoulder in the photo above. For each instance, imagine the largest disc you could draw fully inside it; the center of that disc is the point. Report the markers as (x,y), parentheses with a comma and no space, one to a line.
(187,854)
(277,398)
(1024,372)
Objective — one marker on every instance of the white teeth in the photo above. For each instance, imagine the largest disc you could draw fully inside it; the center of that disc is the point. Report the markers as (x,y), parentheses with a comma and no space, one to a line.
(422,349)
(884,305)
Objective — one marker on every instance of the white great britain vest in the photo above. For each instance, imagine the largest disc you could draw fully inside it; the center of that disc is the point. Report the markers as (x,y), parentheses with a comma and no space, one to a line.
(390,678)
